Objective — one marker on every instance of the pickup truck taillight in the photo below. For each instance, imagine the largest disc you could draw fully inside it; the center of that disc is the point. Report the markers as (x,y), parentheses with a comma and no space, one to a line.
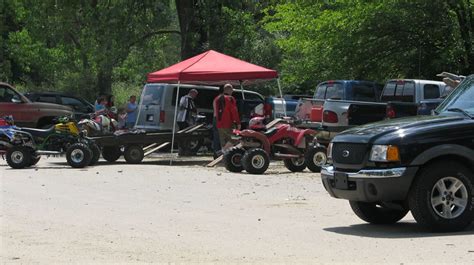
(267,110)
(330,116)
(162,116)
(390,112)
(316,113)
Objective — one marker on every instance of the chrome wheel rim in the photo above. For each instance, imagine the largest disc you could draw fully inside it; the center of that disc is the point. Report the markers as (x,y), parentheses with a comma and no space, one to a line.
(449,197)
(319,158)
(77,155)
(297,161)
(258,161)
(17,157)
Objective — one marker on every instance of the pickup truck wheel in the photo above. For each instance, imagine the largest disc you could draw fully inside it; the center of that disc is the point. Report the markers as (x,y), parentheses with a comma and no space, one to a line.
(295,164)
(78,155)
(316,158)
(377,214)
(19,157)
(133,154)
(441,197)
(233,159)
(95,154)
(111,153)
(255,161)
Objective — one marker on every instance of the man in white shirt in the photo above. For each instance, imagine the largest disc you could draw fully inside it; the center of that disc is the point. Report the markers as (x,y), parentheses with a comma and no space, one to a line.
(187,110)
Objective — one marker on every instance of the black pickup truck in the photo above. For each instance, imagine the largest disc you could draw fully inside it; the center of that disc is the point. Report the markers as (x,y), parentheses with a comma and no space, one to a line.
(422,164)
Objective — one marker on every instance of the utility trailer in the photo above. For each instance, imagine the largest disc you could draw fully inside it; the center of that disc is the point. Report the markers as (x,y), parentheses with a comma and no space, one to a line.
(135,145)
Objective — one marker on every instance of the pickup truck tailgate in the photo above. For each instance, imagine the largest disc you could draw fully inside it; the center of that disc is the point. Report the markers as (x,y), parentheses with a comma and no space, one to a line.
(360,113)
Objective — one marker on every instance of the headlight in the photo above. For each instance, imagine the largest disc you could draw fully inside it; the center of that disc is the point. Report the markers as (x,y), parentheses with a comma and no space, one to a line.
(384,153)
(329,154)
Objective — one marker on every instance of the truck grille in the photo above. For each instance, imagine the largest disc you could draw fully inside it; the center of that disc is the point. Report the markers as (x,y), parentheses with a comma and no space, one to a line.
(352,154)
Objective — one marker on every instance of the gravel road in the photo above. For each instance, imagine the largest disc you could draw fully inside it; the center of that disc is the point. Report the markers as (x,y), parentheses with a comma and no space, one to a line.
(153,212)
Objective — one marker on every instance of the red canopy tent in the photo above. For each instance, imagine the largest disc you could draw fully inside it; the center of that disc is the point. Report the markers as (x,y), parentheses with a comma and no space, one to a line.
(211,67)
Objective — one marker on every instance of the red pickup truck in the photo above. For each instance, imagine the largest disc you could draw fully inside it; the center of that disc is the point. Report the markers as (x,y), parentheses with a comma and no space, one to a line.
(27,113)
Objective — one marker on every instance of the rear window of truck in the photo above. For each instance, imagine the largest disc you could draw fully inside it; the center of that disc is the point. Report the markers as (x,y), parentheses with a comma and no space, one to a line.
(363,92)
(329,91)
(431,91)
(403,91)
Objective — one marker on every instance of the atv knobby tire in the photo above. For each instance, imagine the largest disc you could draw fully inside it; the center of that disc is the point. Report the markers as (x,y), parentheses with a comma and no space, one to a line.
(315,158)
(78,155)
(233,159)
(95,154)
(34,159)
(19,157)
(255,161)
(295,164)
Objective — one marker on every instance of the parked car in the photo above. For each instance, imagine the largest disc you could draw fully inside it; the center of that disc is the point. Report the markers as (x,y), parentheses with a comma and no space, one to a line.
(327,110)
(422,164)
(27,113)
(157,104)
(277,107)
(80,106)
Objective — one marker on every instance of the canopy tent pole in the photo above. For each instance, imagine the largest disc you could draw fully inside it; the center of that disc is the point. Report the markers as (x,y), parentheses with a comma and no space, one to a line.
(242,89)
(139,107)
(281,95)
(174,122)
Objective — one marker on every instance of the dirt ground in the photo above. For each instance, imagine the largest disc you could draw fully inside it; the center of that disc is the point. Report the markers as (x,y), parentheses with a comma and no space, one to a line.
(153,212)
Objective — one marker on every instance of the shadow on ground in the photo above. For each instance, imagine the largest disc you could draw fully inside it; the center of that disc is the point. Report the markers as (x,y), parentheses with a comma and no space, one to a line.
(166,162)
(398,230)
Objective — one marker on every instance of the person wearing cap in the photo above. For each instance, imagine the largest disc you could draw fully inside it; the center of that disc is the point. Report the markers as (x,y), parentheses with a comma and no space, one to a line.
(187,110)
(227,116)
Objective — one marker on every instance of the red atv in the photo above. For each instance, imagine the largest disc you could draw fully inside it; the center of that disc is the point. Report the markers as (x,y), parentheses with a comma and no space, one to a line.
(297,147)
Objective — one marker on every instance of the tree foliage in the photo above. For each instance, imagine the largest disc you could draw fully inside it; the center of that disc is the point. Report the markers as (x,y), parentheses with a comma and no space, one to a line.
(90,47)
(78,44)
(364,39)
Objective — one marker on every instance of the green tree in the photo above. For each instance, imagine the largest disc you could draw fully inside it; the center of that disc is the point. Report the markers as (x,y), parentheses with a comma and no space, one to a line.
(232,27)
(365,39)
(82,42)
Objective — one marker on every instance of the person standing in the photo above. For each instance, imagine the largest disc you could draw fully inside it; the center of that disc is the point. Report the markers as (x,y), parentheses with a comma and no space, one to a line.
(227,116)
(131,109)
(187,110)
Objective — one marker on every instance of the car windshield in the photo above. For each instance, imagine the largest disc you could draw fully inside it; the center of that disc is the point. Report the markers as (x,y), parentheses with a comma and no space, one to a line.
(461,100)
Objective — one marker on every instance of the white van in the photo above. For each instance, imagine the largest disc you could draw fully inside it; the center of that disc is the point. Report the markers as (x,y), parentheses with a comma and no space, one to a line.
(157,104)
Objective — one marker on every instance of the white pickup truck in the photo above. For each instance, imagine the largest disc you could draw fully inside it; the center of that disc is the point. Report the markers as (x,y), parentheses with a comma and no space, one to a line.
(327,110)
(356,105)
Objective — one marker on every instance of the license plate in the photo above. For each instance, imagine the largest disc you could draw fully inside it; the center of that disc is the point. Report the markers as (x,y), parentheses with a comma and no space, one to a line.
(340,181)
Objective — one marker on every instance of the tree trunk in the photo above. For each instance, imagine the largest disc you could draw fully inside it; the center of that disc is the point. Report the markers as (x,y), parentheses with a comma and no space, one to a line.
(187,17)
(104,81)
